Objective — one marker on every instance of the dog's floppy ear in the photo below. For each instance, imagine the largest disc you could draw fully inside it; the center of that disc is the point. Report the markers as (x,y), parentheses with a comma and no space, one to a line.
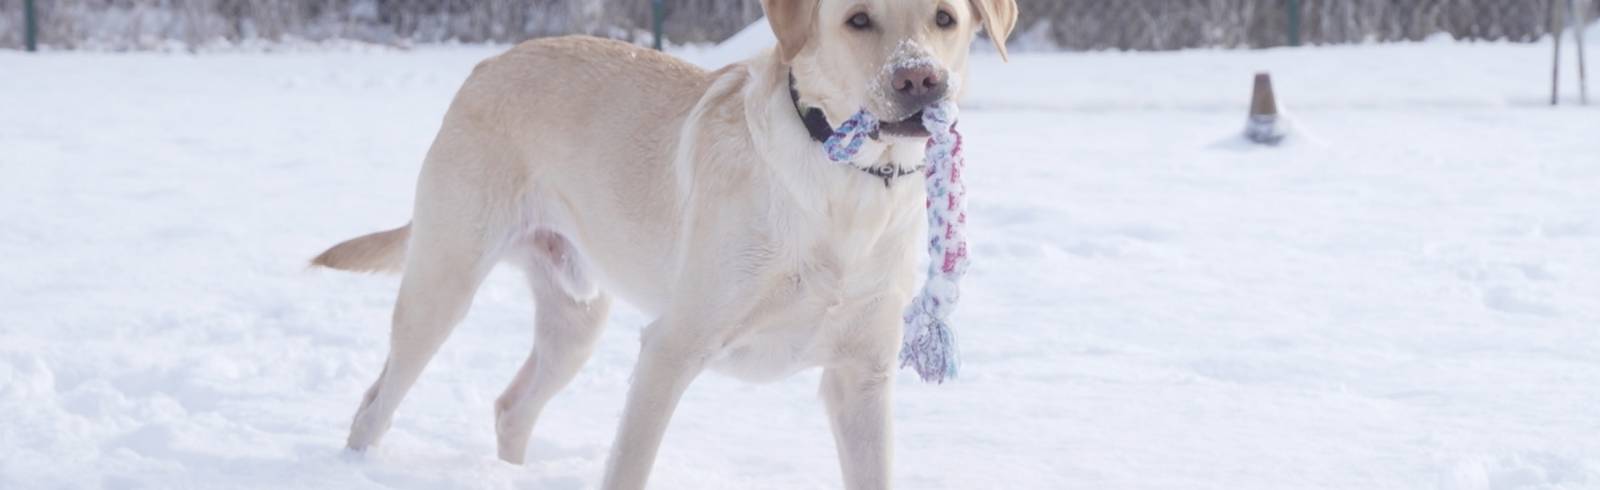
(792,21)
(999,17)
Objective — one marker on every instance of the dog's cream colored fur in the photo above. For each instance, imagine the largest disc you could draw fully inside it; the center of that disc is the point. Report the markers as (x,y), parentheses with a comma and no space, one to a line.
(607,170)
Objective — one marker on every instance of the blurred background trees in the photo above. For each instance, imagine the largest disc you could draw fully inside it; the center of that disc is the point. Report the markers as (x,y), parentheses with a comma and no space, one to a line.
(1046,24)
(1176,24)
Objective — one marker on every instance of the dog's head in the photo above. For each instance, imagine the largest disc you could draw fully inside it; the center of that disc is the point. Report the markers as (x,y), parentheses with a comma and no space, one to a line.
(890,57)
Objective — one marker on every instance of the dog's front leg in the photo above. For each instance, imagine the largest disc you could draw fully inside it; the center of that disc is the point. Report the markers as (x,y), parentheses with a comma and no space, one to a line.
(670,356)
(857,390)
(858,399)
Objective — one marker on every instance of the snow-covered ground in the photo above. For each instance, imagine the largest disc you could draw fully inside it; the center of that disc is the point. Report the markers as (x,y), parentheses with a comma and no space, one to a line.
(1406,297)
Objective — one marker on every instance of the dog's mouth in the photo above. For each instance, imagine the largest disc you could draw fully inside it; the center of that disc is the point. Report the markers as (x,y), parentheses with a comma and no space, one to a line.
(909,127)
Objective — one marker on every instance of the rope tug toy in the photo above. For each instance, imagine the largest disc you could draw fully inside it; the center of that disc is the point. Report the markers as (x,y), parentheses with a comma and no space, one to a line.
(929,344)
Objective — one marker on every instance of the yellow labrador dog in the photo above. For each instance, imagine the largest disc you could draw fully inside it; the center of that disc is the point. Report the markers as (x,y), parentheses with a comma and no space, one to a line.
(704,199)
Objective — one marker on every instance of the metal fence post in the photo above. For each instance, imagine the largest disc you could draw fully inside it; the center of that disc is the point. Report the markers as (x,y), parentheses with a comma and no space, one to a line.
(658,11)
(1294,22)
(1556,30)
(1580,20)
(30,29)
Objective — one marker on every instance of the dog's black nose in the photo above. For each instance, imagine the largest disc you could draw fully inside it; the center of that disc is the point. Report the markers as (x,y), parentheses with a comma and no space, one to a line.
(920,83)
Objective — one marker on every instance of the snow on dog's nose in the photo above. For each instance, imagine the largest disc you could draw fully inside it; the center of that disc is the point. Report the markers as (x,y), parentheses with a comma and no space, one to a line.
(911,80)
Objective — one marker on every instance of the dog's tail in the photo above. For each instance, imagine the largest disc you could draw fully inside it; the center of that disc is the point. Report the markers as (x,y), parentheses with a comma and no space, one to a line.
(384,251)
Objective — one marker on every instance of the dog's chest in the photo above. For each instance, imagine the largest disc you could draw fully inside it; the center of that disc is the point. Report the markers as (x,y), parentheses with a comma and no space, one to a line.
(808,322)
(837,281)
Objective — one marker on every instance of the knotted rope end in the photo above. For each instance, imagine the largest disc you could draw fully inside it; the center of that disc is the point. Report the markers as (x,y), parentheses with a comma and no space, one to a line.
(930,347)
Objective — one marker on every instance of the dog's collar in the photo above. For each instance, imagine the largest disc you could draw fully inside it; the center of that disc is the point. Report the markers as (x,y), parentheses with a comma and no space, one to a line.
(817,125)
(816,122)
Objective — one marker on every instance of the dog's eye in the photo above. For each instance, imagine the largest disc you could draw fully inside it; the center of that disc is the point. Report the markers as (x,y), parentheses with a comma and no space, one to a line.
(944,20)
(859,22)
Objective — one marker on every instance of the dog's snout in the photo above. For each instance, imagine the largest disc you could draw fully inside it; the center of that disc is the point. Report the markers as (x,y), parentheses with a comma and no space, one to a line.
(920,84)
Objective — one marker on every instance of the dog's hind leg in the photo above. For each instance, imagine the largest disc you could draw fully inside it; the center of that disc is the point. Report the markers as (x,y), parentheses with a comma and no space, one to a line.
(454,243)
(443,271)
(569,313)
(671,355)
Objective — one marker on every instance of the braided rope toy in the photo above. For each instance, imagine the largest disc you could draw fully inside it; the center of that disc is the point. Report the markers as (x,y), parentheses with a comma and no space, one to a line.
(929,344)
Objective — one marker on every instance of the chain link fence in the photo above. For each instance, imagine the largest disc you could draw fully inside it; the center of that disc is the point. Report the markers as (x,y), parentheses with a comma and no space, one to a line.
(1045,24)
(1177,24)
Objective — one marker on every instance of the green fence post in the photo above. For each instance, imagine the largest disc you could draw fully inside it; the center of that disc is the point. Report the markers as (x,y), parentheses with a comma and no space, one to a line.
(30,29)
(658,11)
(1294,22)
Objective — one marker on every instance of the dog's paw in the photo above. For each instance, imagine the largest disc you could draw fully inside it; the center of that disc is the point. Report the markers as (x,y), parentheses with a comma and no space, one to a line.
(353,454)
(364,434)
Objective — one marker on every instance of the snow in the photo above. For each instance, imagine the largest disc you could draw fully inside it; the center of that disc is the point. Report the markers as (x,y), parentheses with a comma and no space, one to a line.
(1410,302)
(748,42)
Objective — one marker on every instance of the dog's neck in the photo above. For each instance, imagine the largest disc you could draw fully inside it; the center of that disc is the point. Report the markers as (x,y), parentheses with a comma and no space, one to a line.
(817,125)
